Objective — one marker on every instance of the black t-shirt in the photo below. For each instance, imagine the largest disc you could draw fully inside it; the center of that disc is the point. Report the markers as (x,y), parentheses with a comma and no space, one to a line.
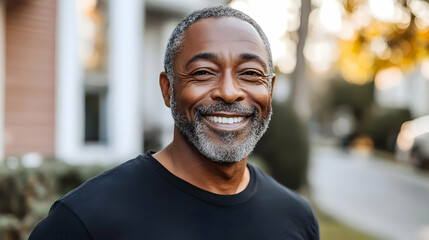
(141,199)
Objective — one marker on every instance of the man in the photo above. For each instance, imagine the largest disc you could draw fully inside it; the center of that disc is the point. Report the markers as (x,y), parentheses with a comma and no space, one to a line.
(218,82)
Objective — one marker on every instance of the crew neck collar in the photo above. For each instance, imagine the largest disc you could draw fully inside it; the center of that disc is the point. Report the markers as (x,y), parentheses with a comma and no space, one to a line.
(213,198)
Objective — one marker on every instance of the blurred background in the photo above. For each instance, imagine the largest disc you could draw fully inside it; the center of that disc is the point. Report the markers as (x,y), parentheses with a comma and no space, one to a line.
(350,131)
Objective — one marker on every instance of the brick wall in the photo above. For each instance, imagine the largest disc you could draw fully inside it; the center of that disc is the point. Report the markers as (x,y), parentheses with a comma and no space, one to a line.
(30,77)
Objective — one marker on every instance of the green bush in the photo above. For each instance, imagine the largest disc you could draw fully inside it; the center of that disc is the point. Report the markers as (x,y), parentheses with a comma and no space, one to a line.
(382,125)
(26,194)
(285,147)
(341,93)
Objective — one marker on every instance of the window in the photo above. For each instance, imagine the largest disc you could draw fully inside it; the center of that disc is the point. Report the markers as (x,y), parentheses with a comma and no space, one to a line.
(95,117)
(93,56)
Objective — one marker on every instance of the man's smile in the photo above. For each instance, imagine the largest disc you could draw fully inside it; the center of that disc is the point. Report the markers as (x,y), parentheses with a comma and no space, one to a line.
(225,120)
(234,123)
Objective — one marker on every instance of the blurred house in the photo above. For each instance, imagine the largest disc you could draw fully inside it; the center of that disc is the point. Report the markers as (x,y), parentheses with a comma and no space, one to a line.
(79,79)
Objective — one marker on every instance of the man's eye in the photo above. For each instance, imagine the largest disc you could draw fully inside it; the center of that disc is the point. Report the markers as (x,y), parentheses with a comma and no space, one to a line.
(200,72)
(252,76)
(252,73)
(203,75)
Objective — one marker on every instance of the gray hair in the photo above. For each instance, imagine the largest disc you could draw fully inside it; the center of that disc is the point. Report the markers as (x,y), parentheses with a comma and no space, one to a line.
(176,38)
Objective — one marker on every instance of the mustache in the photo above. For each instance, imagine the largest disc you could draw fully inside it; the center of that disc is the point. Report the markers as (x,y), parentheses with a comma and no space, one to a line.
(225,107)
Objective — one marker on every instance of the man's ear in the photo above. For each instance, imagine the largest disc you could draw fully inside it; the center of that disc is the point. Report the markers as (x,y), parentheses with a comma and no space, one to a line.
(165,88)
(273,80)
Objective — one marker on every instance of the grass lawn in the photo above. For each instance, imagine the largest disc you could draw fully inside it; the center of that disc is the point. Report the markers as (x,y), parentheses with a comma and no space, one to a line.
(331,229)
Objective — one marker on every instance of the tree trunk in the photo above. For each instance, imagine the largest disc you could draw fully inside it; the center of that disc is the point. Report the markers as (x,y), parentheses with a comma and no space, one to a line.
(300,95)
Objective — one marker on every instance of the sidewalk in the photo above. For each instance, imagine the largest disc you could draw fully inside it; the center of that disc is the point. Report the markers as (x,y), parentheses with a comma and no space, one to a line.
(386,200)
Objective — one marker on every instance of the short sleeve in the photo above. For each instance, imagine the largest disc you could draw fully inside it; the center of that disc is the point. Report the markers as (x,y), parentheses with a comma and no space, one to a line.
(61,223)
(313,230)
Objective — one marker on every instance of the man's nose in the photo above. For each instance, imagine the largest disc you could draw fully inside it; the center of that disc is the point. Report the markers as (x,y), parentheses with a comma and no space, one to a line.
(228,89)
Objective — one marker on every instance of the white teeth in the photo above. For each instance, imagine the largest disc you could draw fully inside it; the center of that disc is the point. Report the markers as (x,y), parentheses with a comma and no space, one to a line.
(225,120)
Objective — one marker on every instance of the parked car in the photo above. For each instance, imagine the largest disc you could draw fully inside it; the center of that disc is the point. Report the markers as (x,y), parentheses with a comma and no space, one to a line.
(419,153)
(413,142)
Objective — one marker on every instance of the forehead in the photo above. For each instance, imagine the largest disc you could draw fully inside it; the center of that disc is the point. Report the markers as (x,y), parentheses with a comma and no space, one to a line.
(228,34)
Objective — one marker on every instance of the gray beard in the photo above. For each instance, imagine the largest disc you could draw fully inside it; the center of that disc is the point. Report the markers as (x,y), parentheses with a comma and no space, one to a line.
(228,151)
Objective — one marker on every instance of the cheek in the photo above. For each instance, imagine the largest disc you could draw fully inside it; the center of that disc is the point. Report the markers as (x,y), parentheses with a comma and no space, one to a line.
(261,96)
(188,98)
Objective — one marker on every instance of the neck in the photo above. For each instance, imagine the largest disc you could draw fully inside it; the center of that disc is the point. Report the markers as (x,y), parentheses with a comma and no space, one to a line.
(182,159)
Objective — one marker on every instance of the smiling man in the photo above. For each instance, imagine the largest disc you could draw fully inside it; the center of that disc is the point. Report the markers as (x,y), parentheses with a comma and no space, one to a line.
(218,82)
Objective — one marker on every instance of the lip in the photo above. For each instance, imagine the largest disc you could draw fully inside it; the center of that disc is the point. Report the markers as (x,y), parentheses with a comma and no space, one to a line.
(227,127)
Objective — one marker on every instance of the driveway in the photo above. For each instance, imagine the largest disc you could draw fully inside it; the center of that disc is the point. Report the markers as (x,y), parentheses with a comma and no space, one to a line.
(383,198)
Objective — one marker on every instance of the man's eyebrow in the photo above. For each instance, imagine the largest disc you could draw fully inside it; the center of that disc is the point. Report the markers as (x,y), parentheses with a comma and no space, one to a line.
(201,56)
(253,57)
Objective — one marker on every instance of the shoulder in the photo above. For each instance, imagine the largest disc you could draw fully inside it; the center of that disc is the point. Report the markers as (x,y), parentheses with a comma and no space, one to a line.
(270,186)
(286,203)
(105,199)
(60,223)
(68,215)
(109,182)
(121,186)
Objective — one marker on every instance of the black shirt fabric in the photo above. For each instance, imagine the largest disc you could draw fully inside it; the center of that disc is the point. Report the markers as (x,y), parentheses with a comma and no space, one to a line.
(141,199)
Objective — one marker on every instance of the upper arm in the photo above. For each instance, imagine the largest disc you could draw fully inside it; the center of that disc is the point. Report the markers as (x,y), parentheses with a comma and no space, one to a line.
(313,229)
(61,223)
